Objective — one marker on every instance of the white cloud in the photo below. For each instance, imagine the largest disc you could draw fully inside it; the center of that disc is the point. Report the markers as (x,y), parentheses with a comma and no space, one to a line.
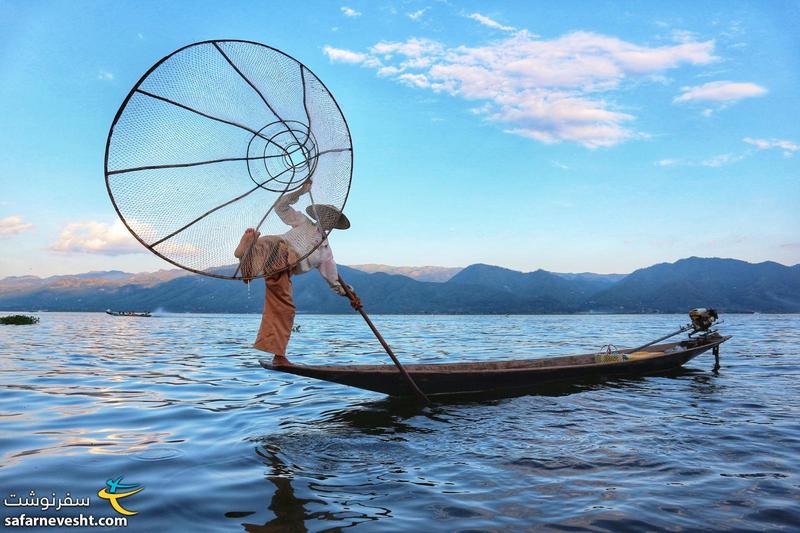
(721,160)
(491,23)
(415,80)
(412,48)
(92,237)
(389,71)
(340,55)
(547,90)
(13,225)
(712,162)
(344,56)
(720,92)
(789,148)
(667,162)
(105,75)
(96,238)
(350,12)
(416,15)
(683,36)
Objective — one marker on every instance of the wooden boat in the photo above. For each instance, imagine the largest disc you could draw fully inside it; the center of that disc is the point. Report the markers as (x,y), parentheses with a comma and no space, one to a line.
(126,313)
(507,376)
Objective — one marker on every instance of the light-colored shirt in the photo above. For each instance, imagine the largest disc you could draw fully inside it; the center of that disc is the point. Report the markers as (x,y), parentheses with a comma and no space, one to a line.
(303,236)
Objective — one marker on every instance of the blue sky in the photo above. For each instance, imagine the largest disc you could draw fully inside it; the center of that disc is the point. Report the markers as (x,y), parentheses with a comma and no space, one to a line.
(571,137)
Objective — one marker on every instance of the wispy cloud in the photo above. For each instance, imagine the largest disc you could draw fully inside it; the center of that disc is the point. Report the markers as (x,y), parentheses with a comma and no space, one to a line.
(722,92)
(683,36)
(667,162)
(416,80)
(350,12)
(712,162)
(491,23)
(721,160)
(416,15)
(789,148)
(341,55)
(549,90)
(13,225)
(96,238)
(105,75)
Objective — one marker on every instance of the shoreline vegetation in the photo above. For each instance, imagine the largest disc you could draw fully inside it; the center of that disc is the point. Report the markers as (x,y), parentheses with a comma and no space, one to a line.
(18,320)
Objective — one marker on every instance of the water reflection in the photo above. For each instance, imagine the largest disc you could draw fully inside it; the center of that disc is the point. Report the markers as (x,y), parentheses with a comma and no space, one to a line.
(291,512)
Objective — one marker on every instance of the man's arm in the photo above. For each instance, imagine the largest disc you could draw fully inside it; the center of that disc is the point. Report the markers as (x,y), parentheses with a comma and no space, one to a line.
(328,270)
(283,208)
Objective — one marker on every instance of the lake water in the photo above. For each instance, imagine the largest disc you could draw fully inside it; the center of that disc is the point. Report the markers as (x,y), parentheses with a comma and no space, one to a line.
(178,404)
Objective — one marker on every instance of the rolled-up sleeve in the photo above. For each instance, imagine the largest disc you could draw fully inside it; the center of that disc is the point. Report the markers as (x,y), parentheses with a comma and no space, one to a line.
(290,216)
(327,268)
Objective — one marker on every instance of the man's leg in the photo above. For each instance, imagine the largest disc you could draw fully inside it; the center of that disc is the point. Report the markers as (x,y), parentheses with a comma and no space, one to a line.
(247,239)
(251,255)
(278,316)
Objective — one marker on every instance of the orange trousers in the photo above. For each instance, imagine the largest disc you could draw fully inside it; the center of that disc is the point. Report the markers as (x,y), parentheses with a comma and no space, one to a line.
(277,317)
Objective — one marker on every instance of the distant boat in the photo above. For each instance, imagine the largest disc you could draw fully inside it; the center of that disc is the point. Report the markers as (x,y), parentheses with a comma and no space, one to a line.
(125,313)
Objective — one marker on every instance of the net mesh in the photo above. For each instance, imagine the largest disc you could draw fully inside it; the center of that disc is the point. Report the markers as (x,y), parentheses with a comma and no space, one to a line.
(219,137)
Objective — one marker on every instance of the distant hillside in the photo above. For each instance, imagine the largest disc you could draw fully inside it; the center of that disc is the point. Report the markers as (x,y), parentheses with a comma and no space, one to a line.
(727,284)
(442,274)
(88,280)
(735,286)
(600,279)
(540,289)
(423,273)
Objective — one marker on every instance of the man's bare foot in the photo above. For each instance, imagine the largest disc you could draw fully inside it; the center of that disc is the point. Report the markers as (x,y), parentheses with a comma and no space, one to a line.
(249,237)
(280,360)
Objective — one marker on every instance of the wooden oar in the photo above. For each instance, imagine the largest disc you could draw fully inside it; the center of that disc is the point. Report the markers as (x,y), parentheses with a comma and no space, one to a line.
(360,308)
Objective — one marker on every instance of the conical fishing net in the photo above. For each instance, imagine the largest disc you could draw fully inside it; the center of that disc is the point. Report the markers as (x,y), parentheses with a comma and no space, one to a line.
(221,136)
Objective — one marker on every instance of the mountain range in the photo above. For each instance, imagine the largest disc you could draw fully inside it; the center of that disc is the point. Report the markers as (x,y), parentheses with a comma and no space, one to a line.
(729,285)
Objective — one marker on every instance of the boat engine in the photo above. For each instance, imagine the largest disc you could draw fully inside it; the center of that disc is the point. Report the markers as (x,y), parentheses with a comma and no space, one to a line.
(703,319)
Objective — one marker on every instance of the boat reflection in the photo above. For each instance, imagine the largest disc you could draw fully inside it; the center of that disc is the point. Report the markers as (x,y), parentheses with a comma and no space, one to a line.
(391,415)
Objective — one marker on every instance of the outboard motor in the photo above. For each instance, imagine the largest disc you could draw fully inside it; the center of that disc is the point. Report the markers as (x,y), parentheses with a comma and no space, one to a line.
(702,320)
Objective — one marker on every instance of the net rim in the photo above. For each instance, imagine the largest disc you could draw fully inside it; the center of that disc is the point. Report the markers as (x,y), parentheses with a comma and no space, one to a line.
(124,105)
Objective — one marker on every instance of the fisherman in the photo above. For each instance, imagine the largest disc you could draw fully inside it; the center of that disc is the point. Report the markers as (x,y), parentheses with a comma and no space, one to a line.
(279,254)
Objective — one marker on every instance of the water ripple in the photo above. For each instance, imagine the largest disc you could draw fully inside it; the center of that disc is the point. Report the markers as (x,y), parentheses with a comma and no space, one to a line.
(179,404)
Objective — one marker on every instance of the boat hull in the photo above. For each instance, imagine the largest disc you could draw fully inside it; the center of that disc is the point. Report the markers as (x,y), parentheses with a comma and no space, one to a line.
(116,313)
(501,376)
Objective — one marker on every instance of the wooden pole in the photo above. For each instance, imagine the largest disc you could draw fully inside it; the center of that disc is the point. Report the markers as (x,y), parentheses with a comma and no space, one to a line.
(358,307)
(665,337)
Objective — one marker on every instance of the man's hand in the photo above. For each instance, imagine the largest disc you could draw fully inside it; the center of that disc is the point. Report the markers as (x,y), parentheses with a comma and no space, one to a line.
(355,301)
(295,195)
